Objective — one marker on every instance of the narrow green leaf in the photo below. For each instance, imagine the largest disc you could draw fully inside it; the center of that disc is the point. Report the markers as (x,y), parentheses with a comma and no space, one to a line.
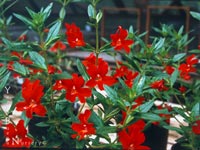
(140,85)
(96,120)
(112,94)
(4,80)
(197,51)
(24,19)
(159,45)
(91,11)
(17,98)
(47,11)
(42,124)
(81,69)
(196,15)
(174,77)
(181,112)
(151,117)
(62,75)
(146,106)
(21,69)
(38,60)
(17,46)
(178,130)
(178,57)
(99,16)
(53,32)
(196,110)
(106,129)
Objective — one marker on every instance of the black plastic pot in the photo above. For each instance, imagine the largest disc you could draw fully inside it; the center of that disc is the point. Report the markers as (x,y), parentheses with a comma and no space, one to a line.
(178,146)
(37,132)
(156,137)
(2,138)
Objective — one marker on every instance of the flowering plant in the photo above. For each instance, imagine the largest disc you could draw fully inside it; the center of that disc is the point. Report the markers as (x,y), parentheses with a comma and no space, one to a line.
(97,104)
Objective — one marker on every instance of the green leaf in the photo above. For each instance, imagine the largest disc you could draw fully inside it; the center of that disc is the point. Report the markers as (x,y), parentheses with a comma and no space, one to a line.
(16,99)
(17,46)
(196,110)
(3,101)
(62,13)
(106,129)
(24,19)
(80,144)
(91,11)
(132,62)
(146,106)
(3,70)
(96,120)
(197,51)
(38,60)
(99,16)
(62,75)
(178,130)
(112,94)
(140,85)
(21,69)
(181,112)
(196,15)
(47,11)
(174,77)
(53,32)
(159,45)
(178,57)
(4,80)
(42,124)
(151,117)
(81,69)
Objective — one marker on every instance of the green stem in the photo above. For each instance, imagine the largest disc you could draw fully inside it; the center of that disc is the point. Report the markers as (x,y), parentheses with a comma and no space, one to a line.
(179,102)
(80,110)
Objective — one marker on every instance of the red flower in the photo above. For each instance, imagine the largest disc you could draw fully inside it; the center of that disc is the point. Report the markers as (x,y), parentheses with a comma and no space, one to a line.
(22,37)
(51,69)
(59,45)
(16,137)
(126,74)
(182,89)
(166,116)
(119,40)
(188,67)
(10,65)
(91,60)
(198,46)
(169,69)
(21,59)
(191,60)
(159,85)
(74,88)
(98,72)
(35,71)
(139,100)
(83,128)
(132,138)
(46,30)
(196,127)
(32,93)
(74,35)
(1,65)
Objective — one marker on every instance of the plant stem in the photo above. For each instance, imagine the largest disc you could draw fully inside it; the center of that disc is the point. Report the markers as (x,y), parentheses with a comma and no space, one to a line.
(80,110)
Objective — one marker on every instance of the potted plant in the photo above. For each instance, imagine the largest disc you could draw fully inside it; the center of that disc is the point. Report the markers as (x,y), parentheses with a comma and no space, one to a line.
(96,105)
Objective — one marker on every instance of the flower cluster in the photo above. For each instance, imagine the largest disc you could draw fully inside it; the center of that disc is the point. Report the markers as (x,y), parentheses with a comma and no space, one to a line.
(92,103)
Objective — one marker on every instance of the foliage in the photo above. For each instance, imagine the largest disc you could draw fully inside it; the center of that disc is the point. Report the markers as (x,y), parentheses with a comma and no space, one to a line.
(79,103)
